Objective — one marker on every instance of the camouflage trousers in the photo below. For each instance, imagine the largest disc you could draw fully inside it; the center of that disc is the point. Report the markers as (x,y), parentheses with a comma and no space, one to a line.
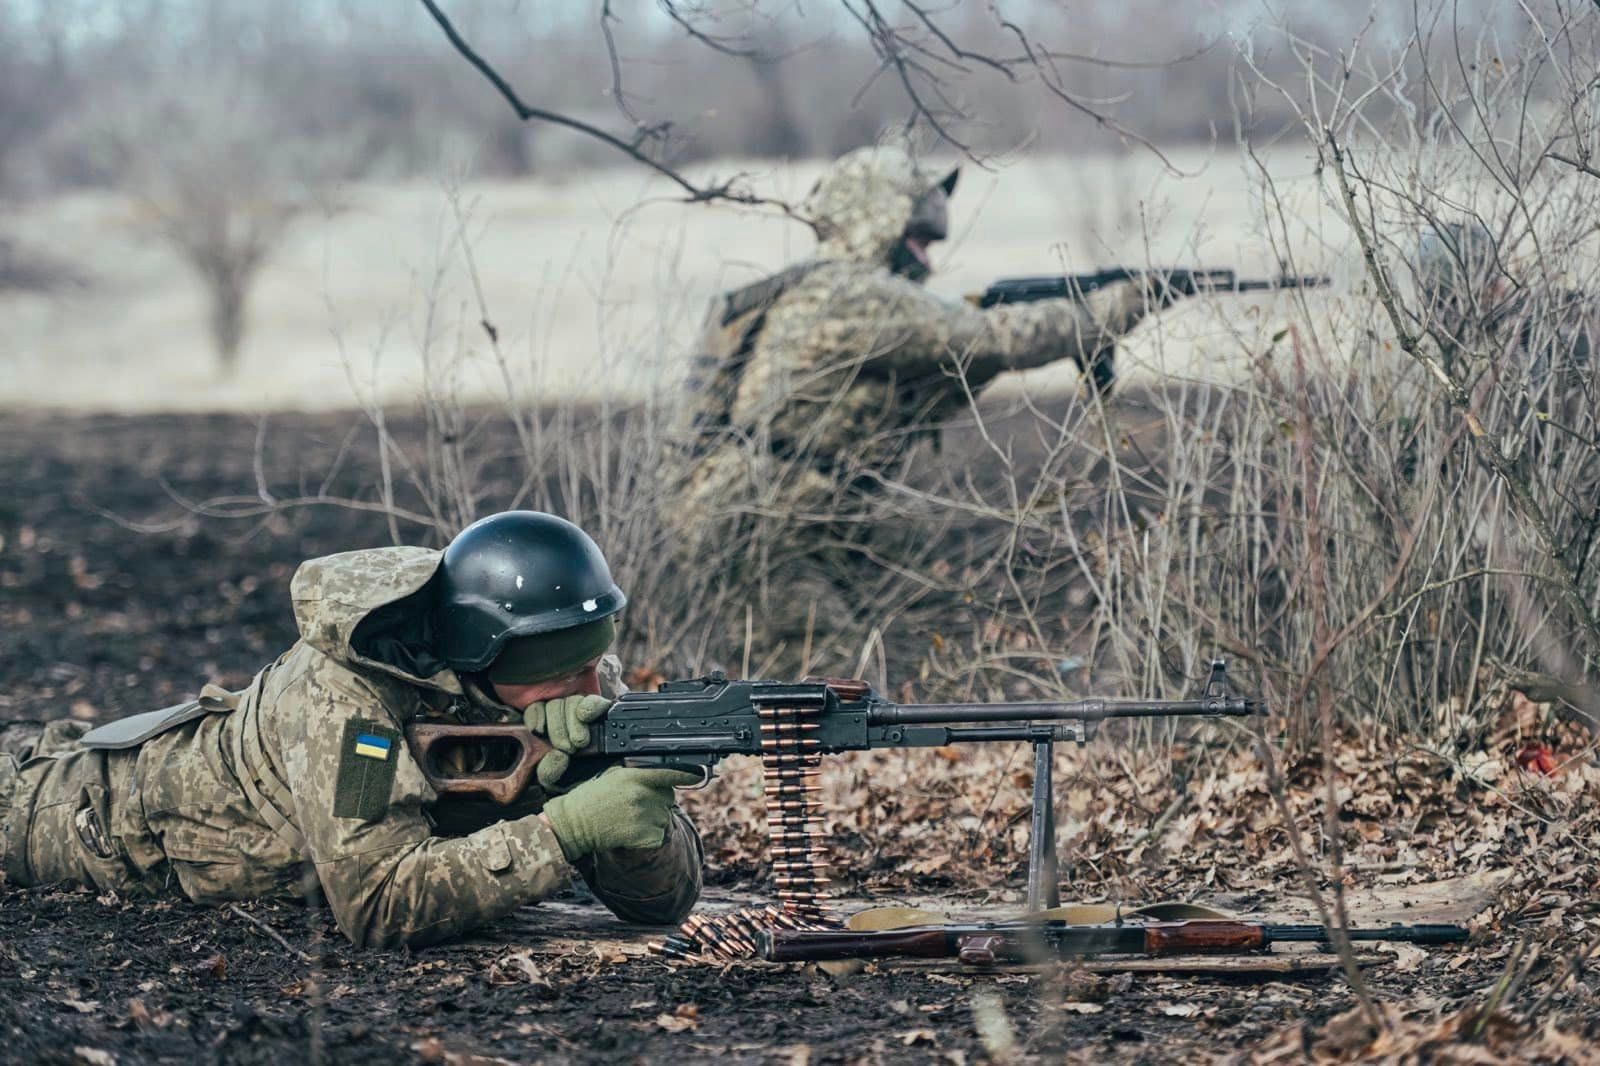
(60,815)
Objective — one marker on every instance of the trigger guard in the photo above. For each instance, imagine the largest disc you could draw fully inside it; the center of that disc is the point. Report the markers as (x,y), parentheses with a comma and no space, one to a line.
(659,763)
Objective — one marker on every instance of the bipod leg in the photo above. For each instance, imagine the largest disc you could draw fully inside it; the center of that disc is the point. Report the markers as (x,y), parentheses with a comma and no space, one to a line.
(1044,886)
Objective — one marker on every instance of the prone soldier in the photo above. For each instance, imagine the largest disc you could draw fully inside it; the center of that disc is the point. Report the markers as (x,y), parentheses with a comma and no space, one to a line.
(304,776)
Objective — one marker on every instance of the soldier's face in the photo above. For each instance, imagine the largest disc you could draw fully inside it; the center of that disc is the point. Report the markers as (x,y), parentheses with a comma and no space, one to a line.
(584,681)
(930,221)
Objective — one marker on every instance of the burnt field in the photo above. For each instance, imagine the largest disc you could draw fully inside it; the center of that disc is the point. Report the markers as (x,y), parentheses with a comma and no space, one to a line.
(115,598)
(168,981)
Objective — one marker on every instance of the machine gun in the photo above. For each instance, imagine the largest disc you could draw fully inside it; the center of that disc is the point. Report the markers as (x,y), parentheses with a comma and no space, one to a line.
(695,724)
(1183,279)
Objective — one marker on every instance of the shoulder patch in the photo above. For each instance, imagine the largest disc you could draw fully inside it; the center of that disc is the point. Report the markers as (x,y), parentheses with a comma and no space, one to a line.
(368,757)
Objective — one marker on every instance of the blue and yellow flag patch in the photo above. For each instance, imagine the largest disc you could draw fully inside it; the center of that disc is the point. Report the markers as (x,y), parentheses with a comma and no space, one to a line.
(367,763)
(373,746)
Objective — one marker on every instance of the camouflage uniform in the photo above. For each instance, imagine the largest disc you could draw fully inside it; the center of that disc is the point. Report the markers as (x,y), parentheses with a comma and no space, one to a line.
(827,371)
(1471,306)
(247,792)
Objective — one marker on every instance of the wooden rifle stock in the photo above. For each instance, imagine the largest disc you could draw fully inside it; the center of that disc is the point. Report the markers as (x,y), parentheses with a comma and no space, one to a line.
(1203,937)
(1194,937)
(494,761)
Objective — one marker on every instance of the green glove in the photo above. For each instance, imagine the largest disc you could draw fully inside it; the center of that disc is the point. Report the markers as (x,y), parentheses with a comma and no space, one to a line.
(622,808)
(565,722)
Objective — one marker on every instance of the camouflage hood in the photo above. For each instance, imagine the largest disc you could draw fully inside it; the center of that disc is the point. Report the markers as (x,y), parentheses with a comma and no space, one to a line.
(373,609)
(861,205)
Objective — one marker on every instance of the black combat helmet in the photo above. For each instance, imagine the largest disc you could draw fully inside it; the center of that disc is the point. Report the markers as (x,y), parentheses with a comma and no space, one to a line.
(518,574)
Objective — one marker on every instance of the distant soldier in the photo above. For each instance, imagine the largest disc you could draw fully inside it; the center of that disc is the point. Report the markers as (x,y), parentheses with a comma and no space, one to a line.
(1474,306)
(305,777)
(809,387)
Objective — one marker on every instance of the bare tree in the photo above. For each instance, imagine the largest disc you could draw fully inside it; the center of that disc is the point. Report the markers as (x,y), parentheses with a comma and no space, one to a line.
(220,181)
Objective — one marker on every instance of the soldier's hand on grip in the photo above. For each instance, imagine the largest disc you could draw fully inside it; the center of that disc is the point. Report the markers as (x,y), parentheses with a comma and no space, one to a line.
(1118,307)
(565,723)
(622,808)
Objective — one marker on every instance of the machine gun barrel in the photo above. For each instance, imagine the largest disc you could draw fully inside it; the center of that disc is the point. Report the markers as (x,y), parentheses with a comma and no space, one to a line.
(1078,710)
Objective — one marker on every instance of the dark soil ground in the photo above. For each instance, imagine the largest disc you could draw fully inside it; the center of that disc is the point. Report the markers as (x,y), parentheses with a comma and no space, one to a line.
(100,619)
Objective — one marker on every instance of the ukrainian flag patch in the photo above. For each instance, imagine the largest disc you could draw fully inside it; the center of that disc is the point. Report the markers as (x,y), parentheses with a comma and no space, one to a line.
(367,764)
(372,746)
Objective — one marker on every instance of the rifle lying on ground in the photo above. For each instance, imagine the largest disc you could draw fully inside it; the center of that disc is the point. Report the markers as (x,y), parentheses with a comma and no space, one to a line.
(1185,280)
(988,943)
(695,724)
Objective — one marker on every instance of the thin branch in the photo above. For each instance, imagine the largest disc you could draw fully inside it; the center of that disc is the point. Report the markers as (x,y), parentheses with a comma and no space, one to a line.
(725,190)
(273,933)
(889,46)
(1104,121)
(955,49)
(252,507)
(1571,162)
(711,41)
(618,94)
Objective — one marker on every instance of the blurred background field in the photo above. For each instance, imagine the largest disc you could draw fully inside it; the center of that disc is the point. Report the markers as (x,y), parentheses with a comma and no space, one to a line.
(310,173)
(596,280)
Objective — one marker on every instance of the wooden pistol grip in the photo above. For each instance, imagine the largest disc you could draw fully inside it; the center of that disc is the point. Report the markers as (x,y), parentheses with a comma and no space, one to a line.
(1202,937)
(504,786)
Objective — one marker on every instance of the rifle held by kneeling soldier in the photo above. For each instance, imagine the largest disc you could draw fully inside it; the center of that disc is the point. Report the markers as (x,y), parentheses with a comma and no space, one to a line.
(1184,280)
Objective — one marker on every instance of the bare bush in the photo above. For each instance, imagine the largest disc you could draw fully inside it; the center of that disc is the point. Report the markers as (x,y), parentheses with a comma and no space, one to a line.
(1363,525)
(1480,251)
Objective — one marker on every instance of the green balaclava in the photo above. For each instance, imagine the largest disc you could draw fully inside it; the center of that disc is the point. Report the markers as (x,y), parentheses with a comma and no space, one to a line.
(529,660)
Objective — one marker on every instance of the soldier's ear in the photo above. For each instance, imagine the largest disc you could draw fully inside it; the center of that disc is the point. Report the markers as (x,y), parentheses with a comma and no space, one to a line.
(949,182)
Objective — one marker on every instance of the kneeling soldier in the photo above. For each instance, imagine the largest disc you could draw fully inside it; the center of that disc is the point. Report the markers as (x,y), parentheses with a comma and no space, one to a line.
(242,795)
